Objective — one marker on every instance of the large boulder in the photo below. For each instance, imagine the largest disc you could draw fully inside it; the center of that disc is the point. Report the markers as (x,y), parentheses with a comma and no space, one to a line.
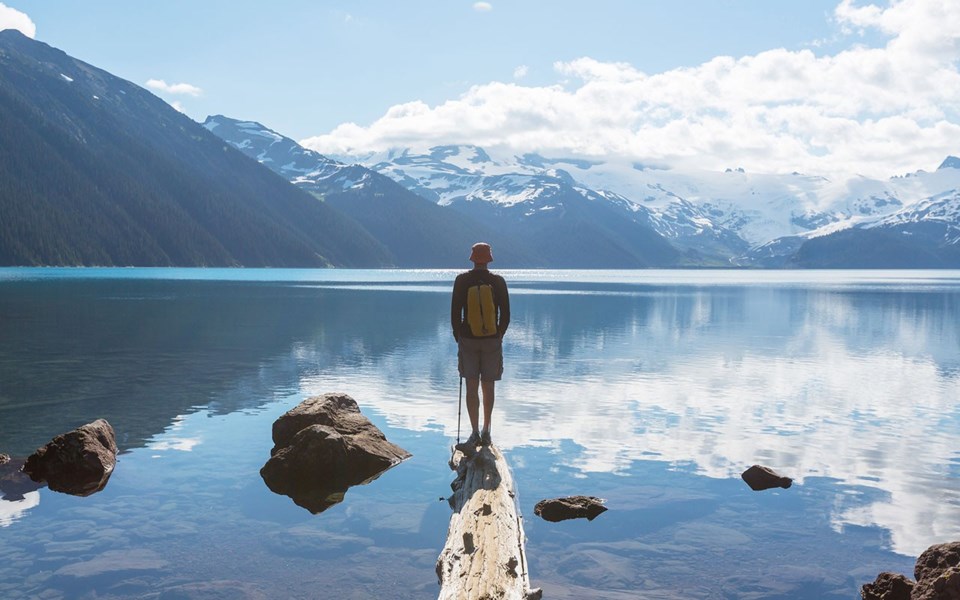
(888,586)
(322,447)
(78,462)
(572,507)
(339,411)
(938,573)
(760,478)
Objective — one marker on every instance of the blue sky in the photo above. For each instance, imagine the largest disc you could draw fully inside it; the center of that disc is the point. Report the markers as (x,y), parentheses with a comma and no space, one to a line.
(358,76)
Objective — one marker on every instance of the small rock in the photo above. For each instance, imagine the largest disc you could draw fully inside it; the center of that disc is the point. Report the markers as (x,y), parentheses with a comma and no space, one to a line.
(4,459)
(573,507)
(888,586)
(78,462)
(334,448)
(763,478)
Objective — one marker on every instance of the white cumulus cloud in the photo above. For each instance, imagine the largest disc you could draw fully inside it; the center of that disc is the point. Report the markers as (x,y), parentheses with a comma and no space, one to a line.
(870,110)
(521,72)
(11,18)
(185,89)
(482,6)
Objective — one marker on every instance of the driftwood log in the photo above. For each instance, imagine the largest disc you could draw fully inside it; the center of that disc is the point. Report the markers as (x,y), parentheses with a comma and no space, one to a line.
(484,556)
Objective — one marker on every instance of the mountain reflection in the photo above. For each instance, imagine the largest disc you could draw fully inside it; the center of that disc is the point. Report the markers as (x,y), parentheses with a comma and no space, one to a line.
(817,383)
(141,352)
(853,383)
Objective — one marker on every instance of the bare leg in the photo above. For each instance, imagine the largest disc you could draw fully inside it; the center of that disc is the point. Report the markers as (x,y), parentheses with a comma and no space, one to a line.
(488,398)
(473,402)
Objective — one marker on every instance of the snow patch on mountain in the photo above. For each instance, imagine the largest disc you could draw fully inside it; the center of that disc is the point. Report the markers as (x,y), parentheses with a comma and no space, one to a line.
(758,208)
(301,166)
(944,207)
(731,217)
(509,190)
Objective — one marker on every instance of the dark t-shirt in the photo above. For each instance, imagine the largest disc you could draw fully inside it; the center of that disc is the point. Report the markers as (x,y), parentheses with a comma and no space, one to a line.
(458,304)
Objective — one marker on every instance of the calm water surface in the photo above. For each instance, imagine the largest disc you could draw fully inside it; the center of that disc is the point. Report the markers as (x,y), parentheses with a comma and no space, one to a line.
(652,389)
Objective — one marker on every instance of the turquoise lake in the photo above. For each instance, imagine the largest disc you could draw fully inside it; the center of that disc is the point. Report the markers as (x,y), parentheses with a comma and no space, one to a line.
(651,389)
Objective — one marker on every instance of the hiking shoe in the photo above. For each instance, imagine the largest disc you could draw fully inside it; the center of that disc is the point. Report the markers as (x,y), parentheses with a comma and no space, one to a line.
(485,438)
(470,444)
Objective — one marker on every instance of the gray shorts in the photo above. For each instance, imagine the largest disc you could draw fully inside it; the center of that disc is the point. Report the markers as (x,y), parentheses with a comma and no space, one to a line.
(481,358)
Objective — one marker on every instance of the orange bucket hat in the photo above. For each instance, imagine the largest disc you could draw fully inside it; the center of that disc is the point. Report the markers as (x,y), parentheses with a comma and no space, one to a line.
(481,253)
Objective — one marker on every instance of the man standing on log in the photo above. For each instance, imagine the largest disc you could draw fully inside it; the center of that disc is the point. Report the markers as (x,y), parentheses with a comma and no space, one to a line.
(480,315)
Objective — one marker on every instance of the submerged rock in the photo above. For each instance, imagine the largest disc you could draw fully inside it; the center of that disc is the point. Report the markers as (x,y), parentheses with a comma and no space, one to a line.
(78,462)
(888,586)
(113,563)
(763,478)
(572,507)
(322,447)
(938,578)
(214,590)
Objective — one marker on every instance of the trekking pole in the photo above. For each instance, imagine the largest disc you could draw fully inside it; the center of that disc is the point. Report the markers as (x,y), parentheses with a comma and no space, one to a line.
(459,408)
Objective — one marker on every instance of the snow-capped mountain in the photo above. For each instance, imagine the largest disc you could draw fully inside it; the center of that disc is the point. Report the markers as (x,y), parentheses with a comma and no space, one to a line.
(923,235)
(469,179)
(943,208)
(533,218)
(733,217)
(416,231)
(531,200)
(592,213)
(307,169)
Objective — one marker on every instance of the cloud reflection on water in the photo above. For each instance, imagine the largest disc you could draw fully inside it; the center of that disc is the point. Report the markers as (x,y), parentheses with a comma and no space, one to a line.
(858,386)
(821,375)
(12,510)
